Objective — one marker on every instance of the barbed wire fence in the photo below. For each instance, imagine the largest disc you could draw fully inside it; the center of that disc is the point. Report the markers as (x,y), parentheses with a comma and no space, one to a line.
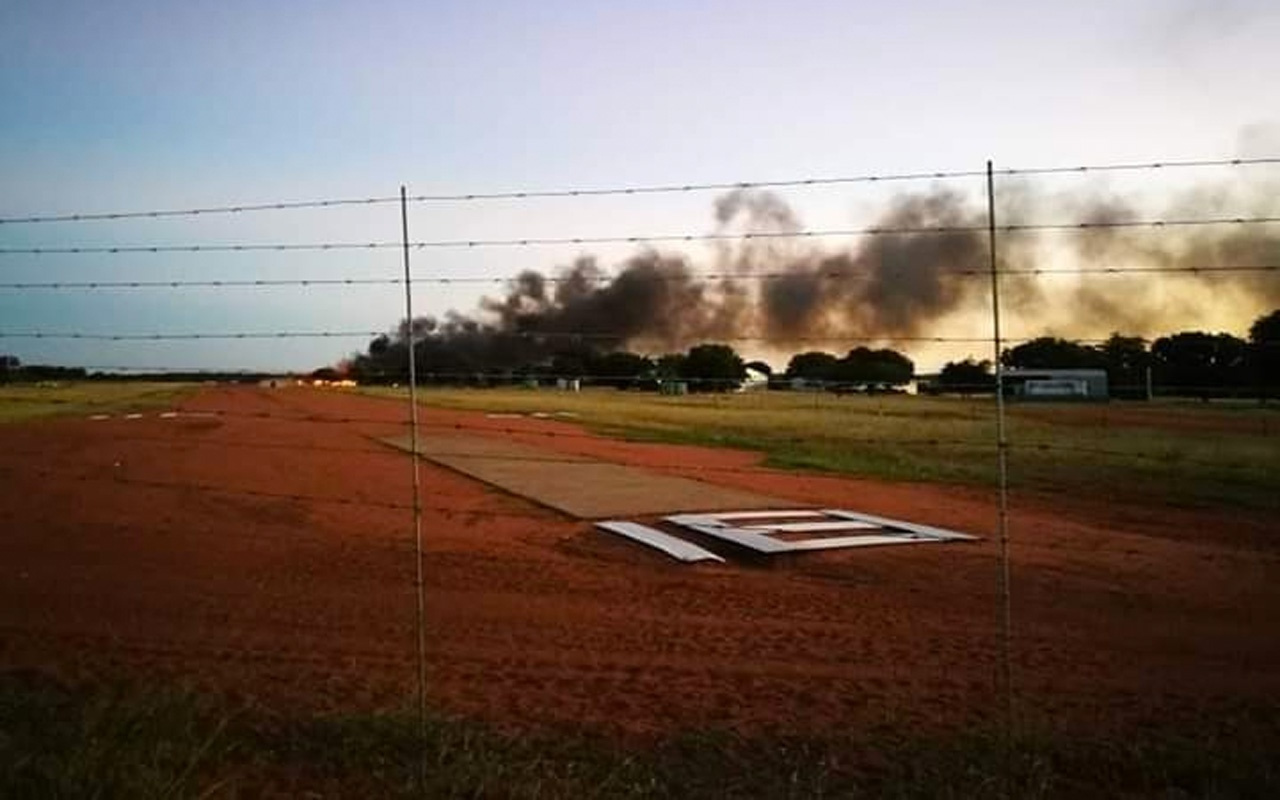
(997,339)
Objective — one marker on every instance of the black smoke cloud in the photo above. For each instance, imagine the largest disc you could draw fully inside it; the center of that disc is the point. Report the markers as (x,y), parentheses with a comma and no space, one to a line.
(655,298)
(890,285)
(779,292)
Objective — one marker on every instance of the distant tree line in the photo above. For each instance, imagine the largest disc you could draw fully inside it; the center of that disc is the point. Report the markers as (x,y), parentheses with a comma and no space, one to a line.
(12,370)
(705,367)
(1187,363)
(1190,363)
(493,360)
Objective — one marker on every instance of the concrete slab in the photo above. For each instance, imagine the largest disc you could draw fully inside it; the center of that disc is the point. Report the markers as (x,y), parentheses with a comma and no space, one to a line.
(576,485)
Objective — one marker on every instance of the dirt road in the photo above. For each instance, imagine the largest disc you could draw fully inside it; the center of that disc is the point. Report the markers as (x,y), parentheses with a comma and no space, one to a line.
(259,544)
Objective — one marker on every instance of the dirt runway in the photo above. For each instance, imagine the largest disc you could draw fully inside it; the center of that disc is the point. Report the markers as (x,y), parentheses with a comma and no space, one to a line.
(259,545)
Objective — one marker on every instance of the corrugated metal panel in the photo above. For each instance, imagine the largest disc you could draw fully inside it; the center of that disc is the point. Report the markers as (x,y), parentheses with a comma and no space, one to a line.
(757,537)
(813,527)
(676,548)
(751,540)
(912,527)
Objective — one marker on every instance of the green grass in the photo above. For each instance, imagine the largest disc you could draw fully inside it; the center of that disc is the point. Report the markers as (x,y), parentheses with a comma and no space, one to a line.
(24,401)
(128,743)
(1227,463)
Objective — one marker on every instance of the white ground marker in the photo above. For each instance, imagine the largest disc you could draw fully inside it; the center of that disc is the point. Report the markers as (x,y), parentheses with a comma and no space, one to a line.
(678,549)
(760,536)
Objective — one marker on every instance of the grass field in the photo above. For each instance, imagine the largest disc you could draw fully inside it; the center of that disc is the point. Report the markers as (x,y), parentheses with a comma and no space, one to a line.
(1185,454)
(19,402)
(118,741)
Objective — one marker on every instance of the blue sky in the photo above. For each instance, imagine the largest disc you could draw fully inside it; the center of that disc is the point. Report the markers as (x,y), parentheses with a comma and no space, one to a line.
(132,105)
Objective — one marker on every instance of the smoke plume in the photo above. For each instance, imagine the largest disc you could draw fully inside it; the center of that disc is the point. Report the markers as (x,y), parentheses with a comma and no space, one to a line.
(926,268)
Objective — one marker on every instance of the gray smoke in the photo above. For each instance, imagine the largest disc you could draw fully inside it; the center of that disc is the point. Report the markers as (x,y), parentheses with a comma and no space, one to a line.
(782,291)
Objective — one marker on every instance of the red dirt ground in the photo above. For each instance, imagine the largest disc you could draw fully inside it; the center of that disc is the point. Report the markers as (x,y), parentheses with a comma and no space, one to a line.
(240,553)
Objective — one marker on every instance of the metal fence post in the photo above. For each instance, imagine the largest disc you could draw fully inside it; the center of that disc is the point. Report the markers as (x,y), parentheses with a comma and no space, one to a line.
(1002,448)
(420,591)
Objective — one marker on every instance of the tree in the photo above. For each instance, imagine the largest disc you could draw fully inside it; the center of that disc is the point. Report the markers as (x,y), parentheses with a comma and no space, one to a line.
(670,366)
(1264,354)
(621,369)
(1048,352)
(761,367)
(813,366)
(9,366)
(1126,361)
(967,376)
(1198,363)
(570,364)
(1264,329)
(867,366)
(713,368)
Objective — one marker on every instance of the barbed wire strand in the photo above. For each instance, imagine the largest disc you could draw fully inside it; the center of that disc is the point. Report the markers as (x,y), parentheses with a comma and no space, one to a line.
(1170,456)
(512,432)
(446,381)
(671,188)
(609,278)
(114,477)
(526,335)
(633,239)
(389,449)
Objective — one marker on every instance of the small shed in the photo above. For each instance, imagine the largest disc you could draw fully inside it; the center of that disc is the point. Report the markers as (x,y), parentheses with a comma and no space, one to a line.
(1056,384)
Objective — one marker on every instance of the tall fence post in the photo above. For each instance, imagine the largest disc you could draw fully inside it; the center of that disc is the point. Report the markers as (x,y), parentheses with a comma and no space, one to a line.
(1002,458)
(419,589)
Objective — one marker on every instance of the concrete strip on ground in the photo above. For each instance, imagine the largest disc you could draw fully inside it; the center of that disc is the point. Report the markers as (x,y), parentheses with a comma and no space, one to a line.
(577,485)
